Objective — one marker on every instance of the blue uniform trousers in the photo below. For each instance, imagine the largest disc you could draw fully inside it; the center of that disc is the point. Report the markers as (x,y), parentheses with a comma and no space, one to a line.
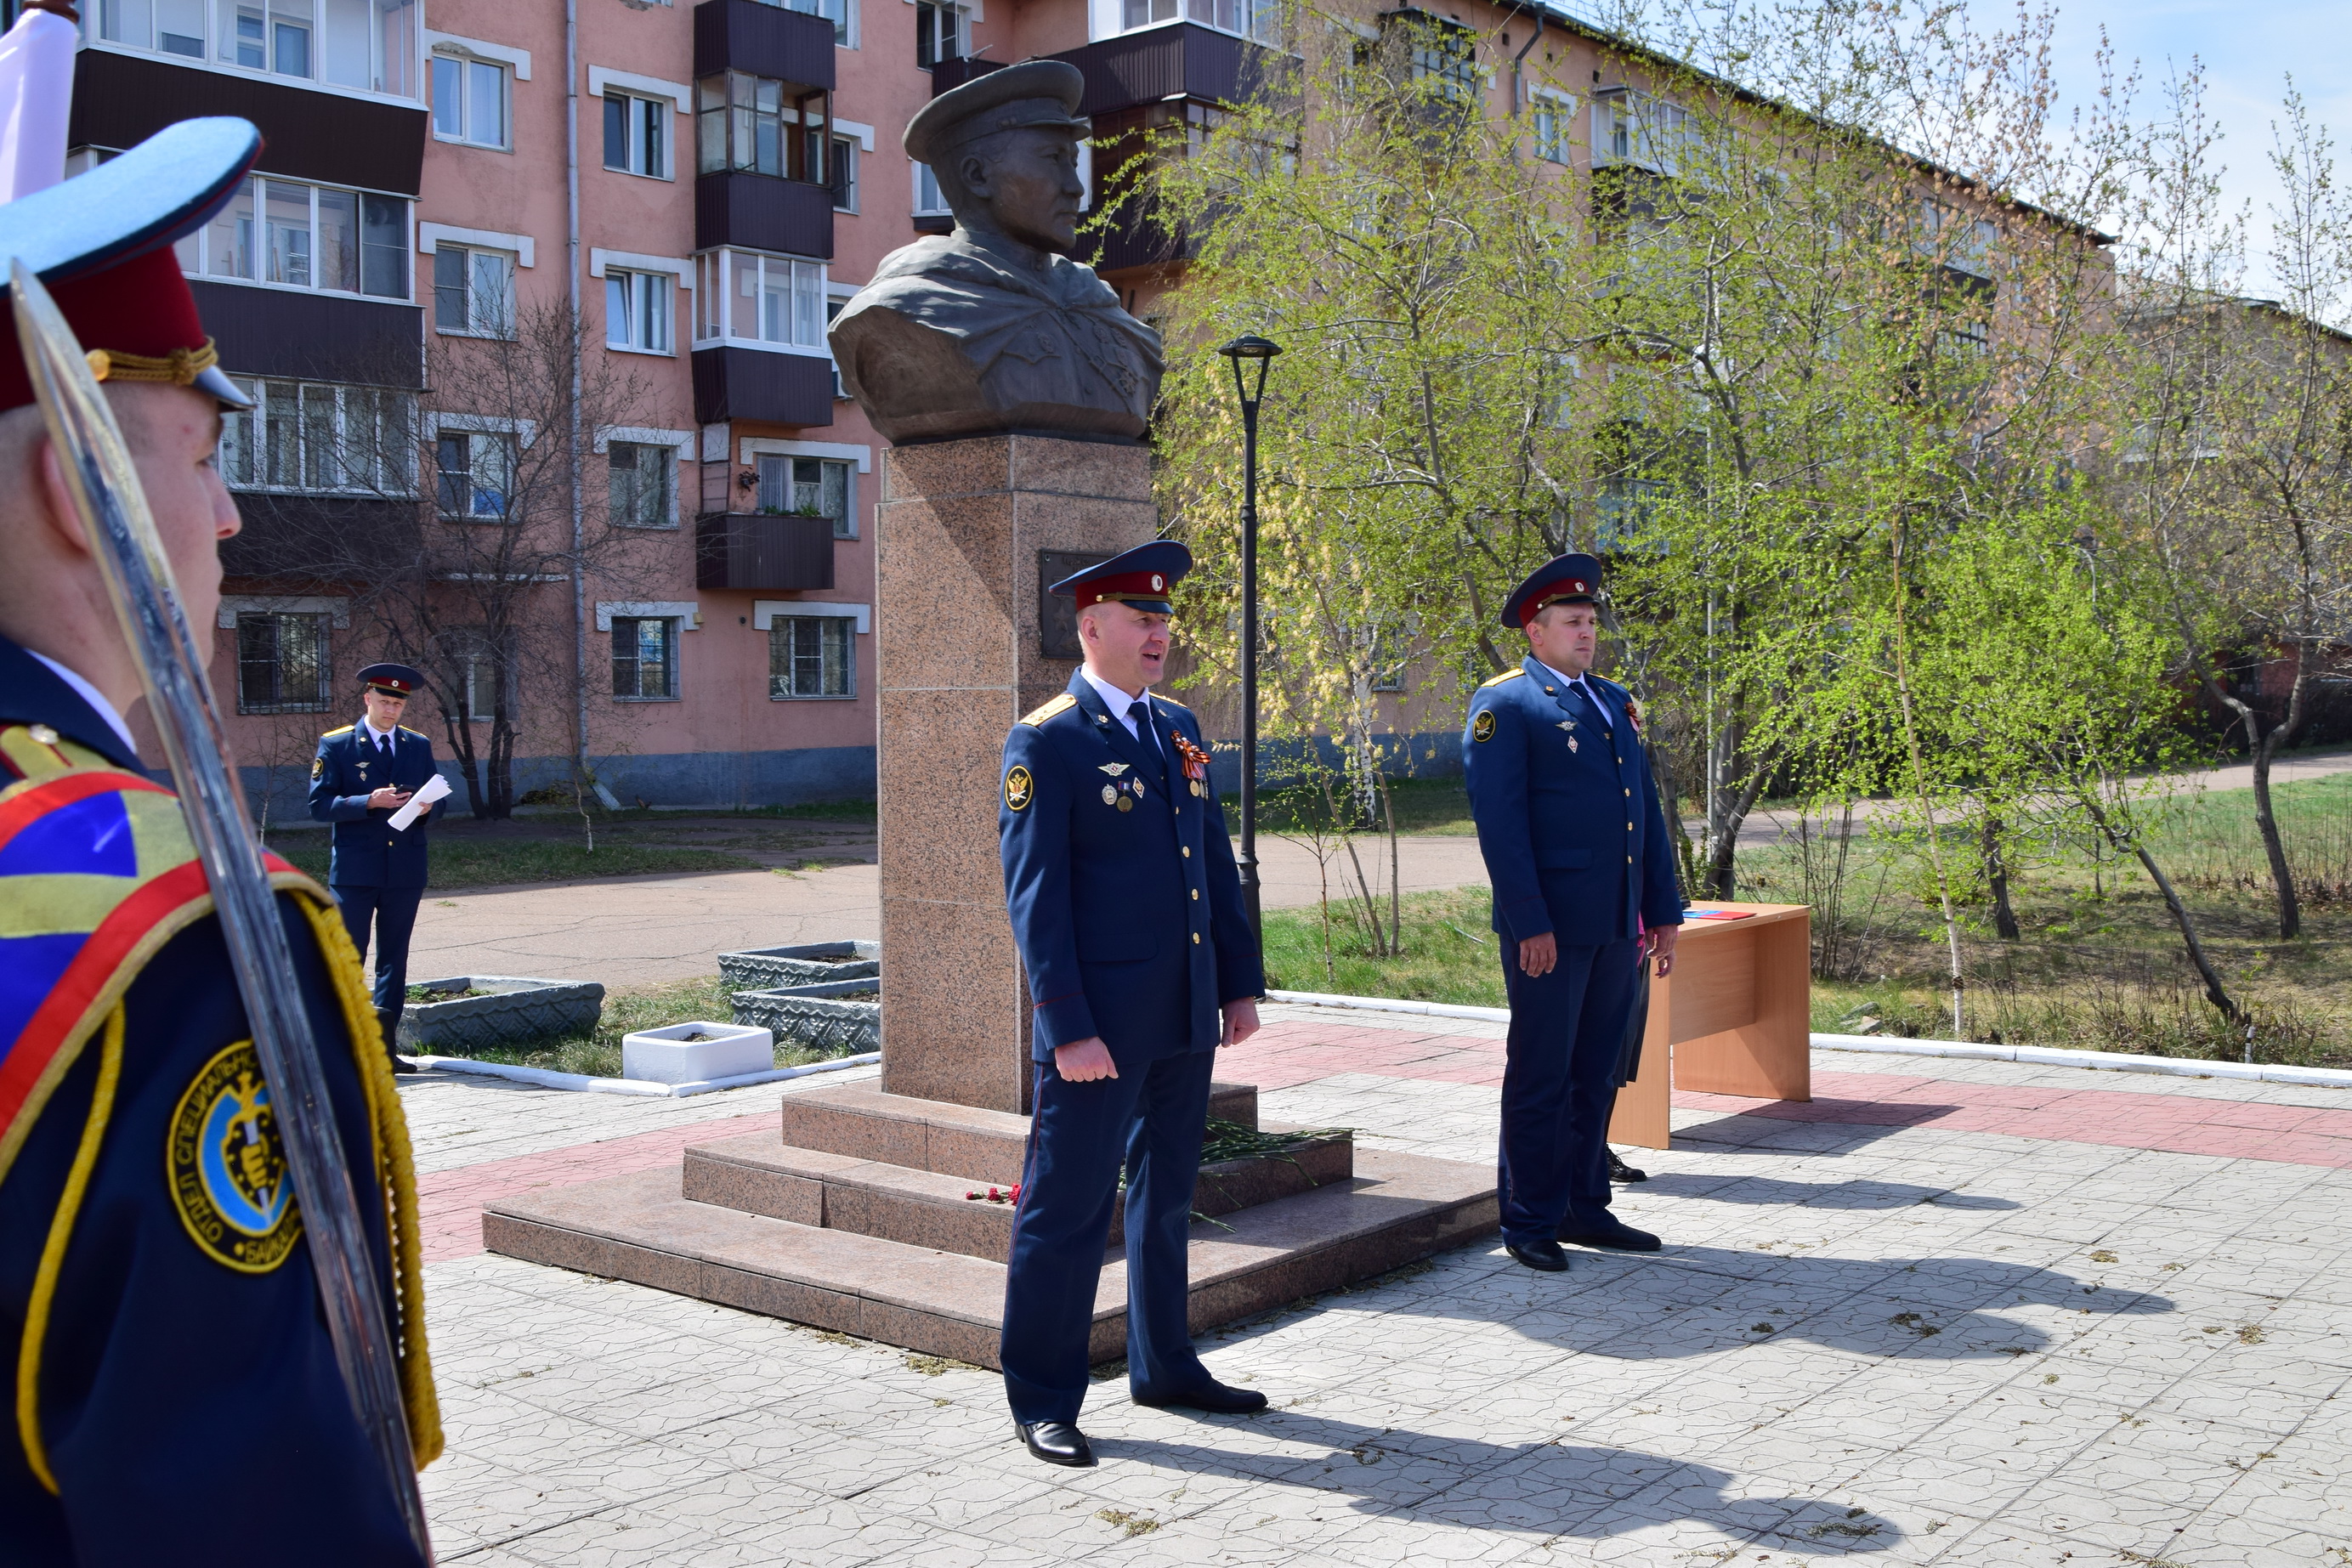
(1151,1116)
(394,912)
(1559,1081)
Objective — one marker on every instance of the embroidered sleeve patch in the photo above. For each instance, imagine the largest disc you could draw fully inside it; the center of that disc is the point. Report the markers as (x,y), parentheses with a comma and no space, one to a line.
(1019,789)
(318,766)
(226,1164)
(1482,727)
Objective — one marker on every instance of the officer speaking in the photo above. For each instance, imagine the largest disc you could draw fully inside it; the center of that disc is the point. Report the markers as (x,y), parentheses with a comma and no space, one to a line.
(364,773)
(1126,908)
(1575,843)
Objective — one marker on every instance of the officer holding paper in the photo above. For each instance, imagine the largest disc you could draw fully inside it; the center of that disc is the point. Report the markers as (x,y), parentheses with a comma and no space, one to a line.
(364,773)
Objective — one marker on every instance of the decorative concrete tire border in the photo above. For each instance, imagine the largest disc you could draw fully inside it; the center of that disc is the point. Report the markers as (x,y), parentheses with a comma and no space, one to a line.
(546,1078)
(812,964)
(517,1010)
(822,1018)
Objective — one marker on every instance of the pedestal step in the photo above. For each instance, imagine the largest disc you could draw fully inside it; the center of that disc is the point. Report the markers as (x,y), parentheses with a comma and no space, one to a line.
(863,1123)
(1395,1208)
(926,1208)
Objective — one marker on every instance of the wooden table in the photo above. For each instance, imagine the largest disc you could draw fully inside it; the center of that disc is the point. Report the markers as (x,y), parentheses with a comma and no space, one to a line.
(1735,1017)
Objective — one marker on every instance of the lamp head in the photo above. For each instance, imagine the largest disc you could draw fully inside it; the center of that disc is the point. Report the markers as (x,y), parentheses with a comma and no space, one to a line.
(1248,350)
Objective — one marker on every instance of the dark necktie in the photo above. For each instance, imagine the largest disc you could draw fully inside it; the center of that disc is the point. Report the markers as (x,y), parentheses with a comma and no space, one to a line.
(1592,701)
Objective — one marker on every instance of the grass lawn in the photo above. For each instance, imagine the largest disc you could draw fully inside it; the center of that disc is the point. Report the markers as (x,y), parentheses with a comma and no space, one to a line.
(598,1054)
(1423,806)
(2100,964)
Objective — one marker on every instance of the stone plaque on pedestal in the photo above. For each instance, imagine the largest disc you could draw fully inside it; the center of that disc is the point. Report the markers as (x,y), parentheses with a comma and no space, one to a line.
(960,526)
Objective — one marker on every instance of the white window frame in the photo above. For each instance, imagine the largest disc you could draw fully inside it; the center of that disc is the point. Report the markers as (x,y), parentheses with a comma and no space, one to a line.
(931,204)
(195,250)
(470,56)
(397,478)
(687,612)
(504,516)
(1549,104)
(500,323)
(717,273)
(612,89)
(1108,19)
(846,151)
(681,443)
(403,63)
(1655,131)
(648,311)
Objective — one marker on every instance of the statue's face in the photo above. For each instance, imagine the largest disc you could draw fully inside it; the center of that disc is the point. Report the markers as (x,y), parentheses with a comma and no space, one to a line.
(1030,187)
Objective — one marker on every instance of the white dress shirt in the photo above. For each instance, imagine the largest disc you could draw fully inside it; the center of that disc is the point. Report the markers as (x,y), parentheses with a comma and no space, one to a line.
(1118,702)
(96,699)
(1577,684)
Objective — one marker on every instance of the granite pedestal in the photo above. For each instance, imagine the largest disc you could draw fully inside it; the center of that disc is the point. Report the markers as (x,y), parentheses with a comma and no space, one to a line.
(858,1217)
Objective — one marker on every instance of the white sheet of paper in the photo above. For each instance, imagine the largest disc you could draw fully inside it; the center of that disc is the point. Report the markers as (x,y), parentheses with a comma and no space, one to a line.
(432,789)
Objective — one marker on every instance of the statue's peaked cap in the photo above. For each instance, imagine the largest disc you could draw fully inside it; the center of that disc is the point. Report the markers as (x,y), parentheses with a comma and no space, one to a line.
(1035,92)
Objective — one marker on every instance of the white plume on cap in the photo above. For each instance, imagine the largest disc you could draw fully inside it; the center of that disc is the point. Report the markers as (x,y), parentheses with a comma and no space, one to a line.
(36,72)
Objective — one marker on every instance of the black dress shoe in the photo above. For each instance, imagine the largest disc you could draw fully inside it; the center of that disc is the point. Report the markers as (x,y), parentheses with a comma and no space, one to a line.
(1620,1171)
(1543,1256)
(1615,1237)
(401,1064)
(1215,1398)
(1056,1442)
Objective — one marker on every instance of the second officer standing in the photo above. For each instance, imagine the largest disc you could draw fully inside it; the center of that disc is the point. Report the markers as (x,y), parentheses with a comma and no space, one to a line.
(363,773)
(1128,910)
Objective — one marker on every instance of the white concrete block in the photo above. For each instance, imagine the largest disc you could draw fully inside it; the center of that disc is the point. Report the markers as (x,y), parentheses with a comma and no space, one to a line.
(696,1052)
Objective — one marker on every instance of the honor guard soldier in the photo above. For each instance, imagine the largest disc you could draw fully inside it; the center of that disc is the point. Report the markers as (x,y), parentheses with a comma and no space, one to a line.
(157,1300)
(1575,845)
(1127,911)
(363,773)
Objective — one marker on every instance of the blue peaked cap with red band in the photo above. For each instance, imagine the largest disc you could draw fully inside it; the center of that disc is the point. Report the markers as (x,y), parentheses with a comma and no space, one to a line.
(1563,580)
(1142,577)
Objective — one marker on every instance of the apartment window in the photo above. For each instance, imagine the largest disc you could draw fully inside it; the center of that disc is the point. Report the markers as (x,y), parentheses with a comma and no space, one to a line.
(473,291)
(809,487)
(1249,18)
(644,658)
(637,310)
(930,202)
(370,45)
(308,437)
(637,135)
(469,101)
(282,663)
(843,171)
(762,126)
(485,667)
(474,472)
(744,297)
(1390,657)
(642,479)
(811,656)
(941,33)
(1445,56)
(833,10)
(1551,119)
(1636,129)
(300,236)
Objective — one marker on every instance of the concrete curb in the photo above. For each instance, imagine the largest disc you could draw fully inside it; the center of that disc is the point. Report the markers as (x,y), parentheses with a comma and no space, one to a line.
(2045,1056)
(541,1078)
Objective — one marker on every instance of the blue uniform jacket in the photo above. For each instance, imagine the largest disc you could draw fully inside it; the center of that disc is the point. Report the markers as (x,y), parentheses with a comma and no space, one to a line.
(1130,923)
(1568,820)
(346,772)
(170,1384)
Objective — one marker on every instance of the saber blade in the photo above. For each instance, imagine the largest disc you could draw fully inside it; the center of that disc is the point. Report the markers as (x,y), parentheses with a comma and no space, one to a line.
(112,507)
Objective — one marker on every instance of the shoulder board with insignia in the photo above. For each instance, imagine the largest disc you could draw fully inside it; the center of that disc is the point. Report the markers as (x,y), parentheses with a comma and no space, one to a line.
(417,733)
(1059,705)
(1498,680)
(332,733)
(1171,705)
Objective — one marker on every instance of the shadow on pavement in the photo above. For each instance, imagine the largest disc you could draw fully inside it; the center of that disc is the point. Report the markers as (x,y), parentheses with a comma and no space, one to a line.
(1580,1491)
(1772,1191)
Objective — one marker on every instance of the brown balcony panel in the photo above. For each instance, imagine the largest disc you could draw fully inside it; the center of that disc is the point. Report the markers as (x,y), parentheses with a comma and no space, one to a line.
(740,549)
(1182,61)
(732,383)
(119,101)
(322,538)
(313,337)
(765,40)
(760,212)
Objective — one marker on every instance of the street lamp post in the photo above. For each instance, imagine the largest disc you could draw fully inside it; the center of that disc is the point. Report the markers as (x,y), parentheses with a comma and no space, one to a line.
(1245,352)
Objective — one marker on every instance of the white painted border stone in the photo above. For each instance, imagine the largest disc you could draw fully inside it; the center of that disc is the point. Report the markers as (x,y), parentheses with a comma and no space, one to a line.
(2037,1055)
(543,1078)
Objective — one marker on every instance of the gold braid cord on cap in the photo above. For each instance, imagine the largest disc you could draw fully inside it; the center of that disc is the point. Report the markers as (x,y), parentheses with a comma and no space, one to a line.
(181,367)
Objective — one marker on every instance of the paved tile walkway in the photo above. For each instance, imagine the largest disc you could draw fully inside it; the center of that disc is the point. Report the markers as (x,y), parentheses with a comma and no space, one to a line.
(1979,1314)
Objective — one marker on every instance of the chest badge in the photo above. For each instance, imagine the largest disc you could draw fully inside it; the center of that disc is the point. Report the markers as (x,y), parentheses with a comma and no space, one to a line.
(226,1162)
(1125,804)
(1113,769)
(1110,794)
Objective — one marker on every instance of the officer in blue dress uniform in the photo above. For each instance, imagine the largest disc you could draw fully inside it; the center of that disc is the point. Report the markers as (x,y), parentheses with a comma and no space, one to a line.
(363,773)
(175,1398)
(1128,910)
(1575,845)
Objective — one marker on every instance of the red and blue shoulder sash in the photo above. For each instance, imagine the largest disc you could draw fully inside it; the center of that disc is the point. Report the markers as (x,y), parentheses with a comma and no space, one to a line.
(96,873)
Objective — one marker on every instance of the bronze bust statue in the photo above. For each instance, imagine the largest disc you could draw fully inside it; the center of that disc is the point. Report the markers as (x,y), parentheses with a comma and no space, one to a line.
(990,329)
